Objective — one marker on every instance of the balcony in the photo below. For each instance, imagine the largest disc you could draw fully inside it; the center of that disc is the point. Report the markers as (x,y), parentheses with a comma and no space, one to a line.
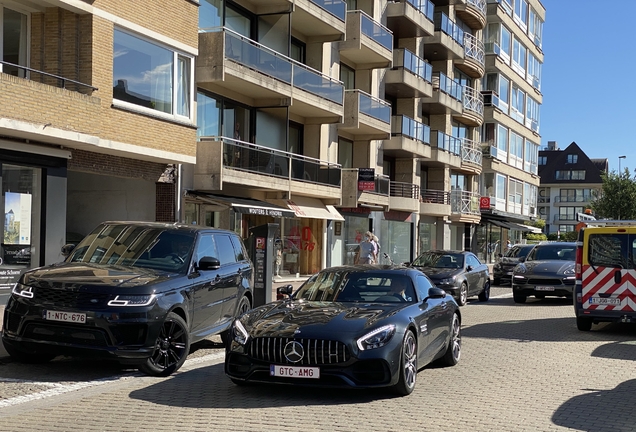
(473,107)
(231,64)
(377,199)
(446,150)
(410,77)
(565,219)
(222,161)
(404,197)
(447,96)
(473,64)
(568,200)
(491,99)
(464,206)
(319,20)
(409,138)
(411,18)
(368,44)
(447,42)
(471,156)
(435,203)
(366,116)
(472,12)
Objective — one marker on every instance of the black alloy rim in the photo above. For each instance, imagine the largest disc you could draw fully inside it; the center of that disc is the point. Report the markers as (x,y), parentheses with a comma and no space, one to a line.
(171,345)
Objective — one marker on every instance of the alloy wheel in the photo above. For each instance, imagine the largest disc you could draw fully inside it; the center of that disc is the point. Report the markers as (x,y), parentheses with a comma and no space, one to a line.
(409,353)
(171,345)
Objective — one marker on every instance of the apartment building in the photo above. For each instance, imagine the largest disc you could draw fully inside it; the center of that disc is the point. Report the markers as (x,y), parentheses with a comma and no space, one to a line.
(96,106)
(331,118)
(511,130)
(569,179)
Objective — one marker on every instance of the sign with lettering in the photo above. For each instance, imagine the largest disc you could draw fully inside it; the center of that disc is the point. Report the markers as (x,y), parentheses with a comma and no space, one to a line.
(366,179)
(484,203)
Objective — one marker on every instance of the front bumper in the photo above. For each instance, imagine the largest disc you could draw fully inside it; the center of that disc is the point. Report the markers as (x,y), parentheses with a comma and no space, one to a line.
(547,286)
(124,333)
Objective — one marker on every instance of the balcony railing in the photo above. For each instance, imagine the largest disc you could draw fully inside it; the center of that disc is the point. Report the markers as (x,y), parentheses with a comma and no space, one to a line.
(471,152)
(425,6)
(474,48)
(572,199)
(434,196)
(376,31)
(406,126)
(417,65)
(492,99)
(543,199)
(382,184)
(445,24)
(373,106)
(248,157)
(564,218)
(448,143)
(464,202)
(447,85)
(260,58)
(478,4)
(473,100)
(65,83)
(404,190)
(337,8)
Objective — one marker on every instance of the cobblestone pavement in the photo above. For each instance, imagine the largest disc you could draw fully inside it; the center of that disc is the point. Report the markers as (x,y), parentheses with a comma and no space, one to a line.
(523,368)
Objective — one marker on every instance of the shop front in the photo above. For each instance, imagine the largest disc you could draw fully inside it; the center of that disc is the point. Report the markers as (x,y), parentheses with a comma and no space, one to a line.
(427,234)
(396,236)
(357,221)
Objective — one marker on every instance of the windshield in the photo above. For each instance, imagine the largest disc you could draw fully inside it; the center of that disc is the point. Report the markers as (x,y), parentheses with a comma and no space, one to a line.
(357,287)
(440,260)
(562,252)
(136,246)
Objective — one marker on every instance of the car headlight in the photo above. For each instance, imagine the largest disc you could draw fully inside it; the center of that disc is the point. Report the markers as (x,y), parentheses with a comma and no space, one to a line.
(447,281)
(377,338)
(240,334)
(569,271)
(22,290)
(520,269)
(132,300)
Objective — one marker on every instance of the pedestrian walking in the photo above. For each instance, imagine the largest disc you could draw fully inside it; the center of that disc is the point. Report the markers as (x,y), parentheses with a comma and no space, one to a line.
(366,250)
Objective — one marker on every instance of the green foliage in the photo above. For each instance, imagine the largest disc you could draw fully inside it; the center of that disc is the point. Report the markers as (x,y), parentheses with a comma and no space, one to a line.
(539,223)
(569,236)
(617,199)
(536,237)
(552,236)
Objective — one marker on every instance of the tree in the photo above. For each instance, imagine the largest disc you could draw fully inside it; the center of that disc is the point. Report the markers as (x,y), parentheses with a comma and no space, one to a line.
(617,198)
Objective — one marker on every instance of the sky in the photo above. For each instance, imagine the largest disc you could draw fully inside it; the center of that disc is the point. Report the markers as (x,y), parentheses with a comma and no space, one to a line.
(588,97)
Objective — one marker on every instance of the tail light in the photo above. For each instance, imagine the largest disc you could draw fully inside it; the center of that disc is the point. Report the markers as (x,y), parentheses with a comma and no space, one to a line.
(579,261)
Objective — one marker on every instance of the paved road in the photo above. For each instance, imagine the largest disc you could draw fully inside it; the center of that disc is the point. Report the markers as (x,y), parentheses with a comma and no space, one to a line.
(523,368)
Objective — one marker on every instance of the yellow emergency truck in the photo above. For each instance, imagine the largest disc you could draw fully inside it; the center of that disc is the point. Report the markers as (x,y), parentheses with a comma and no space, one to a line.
(605,289)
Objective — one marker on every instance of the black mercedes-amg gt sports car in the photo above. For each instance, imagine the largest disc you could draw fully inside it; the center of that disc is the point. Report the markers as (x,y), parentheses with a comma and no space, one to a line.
(350,326)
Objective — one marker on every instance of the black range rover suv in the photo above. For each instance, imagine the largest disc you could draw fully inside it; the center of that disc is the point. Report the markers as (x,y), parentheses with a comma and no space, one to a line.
(139,292)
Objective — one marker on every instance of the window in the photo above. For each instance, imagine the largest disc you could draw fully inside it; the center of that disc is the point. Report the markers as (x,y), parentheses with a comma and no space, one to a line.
(151,76)
(347,76)
(572,158)
(225,249)
(534,71)
(505,43)
(578,175)
(504,90)
(535,28)
(502,138)
(501,187)
(516,145)
(570,175)
(518,104)
(345,153)
(569,213)
(531,156)
(543,160)
(210,14)
(519,53)
(521,13)
(14,37)
(206,247)
(532,114)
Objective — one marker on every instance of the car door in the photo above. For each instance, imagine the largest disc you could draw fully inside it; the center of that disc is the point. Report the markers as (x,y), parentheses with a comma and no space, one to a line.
(431,321)
(207,288)
(472,272)
(481,269)
(230,274)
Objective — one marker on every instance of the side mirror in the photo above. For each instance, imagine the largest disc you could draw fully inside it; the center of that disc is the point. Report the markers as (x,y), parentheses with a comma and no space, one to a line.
(469,268)
(208,263)
(435,293)
(67,249)
(284,291)
(522,259)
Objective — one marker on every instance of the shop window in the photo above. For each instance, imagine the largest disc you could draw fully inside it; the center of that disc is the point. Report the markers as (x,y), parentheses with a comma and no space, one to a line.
(14,41)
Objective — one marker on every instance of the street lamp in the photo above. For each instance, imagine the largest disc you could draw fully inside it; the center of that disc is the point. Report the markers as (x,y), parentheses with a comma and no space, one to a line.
(619,185)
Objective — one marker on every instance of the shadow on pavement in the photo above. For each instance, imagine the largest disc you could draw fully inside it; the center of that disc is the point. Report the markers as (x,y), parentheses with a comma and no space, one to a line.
(62,369)
(209,387)
(600,410)
(621,350)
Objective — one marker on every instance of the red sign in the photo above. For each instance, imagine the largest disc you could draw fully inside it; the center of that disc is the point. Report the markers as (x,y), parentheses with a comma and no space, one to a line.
(366,186)
(484,203)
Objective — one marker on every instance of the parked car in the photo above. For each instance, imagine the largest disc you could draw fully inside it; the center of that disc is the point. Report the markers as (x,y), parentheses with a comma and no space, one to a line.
(547,270)
(348,326)
(137,292)
(502,270)
(459,273)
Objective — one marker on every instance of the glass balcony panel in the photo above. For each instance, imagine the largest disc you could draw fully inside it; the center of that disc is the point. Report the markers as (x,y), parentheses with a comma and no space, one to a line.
(450,87)
(376,31)
(337,8)
(449,143)
(317,83)
(411,128)
(445,24)
(374,107)
(426,7)
(418,66)
(258,57)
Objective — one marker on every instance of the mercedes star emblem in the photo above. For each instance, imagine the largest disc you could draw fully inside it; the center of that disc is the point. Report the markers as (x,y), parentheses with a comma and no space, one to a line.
(294,351)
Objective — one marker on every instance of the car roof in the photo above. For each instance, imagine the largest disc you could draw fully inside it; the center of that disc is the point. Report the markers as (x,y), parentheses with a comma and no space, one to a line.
(167,225)
(371,268)
(439,251)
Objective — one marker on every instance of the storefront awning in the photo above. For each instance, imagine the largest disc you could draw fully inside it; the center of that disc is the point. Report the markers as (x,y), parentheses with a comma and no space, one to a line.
(243,205)
(526,228)
(305,207)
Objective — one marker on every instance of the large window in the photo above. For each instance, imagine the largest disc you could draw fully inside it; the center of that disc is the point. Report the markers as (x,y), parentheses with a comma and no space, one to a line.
(518,104)
(345,153)
(521,13)
(516,150)
(534,71)
(502,138)
(531,157)
(569,175)
(210,14)
(14,47)
(535,28)
(532,114)
(500,191)
(519,53)
(149,75)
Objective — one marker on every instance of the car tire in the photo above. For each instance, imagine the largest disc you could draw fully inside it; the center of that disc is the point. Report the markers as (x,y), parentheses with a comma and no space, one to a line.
(243,306)
(171,348)
(484,296)
(584,323)
(519,298)
(408,365)
(462,295)
(30,357)
(454,349)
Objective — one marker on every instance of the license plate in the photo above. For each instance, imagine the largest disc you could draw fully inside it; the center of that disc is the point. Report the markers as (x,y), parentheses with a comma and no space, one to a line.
(294,371)
(544,288)
(605,301)
(72,317)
